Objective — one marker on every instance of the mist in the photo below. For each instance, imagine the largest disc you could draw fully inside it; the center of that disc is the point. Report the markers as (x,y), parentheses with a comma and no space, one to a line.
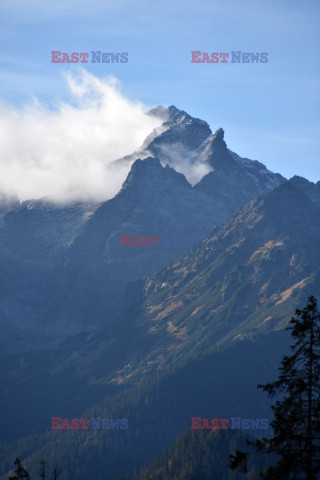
(64,152)
(185,162)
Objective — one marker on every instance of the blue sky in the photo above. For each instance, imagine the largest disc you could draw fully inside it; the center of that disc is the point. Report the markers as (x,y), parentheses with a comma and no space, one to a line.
(270,112)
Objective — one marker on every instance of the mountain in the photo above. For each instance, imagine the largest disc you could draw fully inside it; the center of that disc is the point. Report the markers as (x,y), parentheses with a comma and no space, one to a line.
(64,268)
(196,455)
(234,180)
(70,267)
(231,286)
(194,339)
(312,190)
(176,139)
(156,333)
(158,406)
(188,145)
(33,241)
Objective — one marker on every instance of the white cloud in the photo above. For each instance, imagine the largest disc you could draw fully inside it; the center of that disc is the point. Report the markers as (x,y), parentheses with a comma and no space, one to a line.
(184,161)
(64,152)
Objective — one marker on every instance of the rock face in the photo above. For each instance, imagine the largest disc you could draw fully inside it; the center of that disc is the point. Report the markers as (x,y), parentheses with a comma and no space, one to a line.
(74,257)
(243,279)
(312,190)
(156,334)
(63,268)
(234,180)
(195,336)
(188,145)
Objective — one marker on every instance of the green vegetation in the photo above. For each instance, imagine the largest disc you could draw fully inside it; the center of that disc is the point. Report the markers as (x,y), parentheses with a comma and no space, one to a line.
(296,426)
(196,455)
(21,473)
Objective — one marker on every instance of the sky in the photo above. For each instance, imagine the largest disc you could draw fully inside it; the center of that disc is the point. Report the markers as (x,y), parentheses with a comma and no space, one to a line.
(269,111)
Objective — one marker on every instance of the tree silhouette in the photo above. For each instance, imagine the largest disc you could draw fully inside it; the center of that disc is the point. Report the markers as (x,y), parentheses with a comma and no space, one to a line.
(296,426)
(56,474)
(43,469)
(20,472)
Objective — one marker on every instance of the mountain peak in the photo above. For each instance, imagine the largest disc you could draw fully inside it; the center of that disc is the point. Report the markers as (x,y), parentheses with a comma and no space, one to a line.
(188,145)
(167,113)
(160,112)
(149,171)
(180,131)
(285,190)
(173,110)
(219,134)
(310,189)
(287,206)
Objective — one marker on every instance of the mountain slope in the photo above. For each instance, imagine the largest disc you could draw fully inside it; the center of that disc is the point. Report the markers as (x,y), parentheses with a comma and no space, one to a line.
(158,408)
(194,337)
(241,280)
(63,268)
(196,455)
(70,268)
(310,189)
(188,145)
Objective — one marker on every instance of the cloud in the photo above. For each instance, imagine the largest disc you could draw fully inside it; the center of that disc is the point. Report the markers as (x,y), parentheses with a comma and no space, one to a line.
(185,162)
(64,152)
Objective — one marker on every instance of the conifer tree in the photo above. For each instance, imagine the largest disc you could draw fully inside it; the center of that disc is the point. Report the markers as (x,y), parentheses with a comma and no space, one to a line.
(56,474)
(20,471)
(43,469)
(295,440)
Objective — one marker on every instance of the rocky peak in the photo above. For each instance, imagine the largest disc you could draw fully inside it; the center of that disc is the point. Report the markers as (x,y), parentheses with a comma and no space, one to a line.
(312,190)
(149,171)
